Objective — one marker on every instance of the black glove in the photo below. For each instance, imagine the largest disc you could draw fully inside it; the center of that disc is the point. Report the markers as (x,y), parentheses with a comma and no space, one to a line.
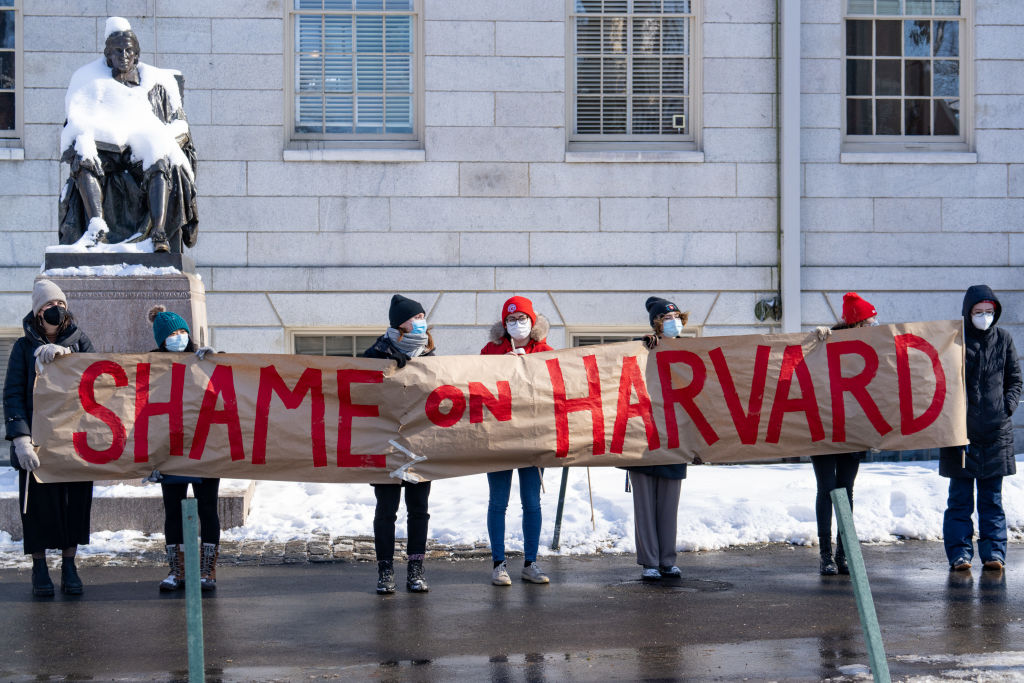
(650,341)
(401,359)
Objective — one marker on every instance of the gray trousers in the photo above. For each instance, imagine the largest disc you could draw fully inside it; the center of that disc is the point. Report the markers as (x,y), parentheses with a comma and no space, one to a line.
(655,509)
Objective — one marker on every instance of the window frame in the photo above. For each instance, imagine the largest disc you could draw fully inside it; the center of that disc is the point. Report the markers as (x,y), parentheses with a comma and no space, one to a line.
(294,333)
(318,141)
(629,332)
(964,142)
(590,142)
(13,138)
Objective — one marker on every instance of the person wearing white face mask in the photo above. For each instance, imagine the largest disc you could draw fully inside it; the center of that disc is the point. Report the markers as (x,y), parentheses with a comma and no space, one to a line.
(407,337)
(172,335)
(993,385)
(656,488)
(55,516)
(520,331)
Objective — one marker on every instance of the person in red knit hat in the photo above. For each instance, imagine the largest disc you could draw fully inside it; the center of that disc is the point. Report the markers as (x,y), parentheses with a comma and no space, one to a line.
(838,469)
(519,331)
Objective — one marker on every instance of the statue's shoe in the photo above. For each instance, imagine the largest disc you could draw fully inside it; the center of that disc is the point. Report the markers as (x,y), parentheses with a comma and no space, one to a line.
(160,244)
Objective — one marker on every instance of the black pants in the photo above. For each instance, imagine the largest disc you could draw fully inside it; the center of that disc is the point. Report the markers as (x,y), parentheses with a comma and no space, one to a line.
(832,472)
(388,497)
(206,499)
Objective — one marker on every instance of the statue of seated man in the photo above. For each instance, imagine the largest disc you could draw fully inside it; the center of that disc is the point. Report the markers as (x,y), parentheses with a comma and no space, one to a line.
(132,161)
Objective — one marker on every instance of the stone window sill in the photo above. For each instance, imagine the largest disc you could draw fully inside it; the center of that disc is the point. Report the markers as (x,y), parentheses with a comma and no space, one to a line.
(12,154)
(634,157)
(908,158)
(379,155)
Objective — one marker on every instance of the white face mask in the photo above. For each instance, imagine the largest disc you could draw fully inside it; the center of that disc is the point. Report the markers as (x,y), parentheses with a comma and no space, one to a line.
(983,321)
(672,327)
(519,330)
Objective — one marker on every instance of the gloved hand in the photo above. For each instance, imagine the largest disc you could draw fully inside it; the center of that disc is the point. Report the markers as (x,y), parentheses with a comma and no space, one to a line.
(47,352)
(518,351)
(650,341)
(154,477)
(823,332)
(203,350)
(27,458)
(401,358)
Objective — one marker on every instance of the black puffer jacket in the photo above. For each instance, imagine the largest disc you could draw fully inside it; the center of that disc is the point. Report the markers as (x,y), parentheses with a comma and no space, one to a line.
(993,389)
(21,376)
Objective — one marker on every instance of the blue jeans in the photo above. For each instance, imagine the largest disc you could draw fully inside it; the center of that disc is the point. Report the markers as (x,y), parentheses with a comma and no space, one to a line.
(500,484)
(958,528)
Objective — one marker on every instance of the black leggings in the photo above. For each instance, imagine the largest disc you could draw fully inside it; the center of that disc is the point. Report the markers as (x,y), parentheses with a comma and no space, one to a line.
(388,497)
(206,499)
(832,472)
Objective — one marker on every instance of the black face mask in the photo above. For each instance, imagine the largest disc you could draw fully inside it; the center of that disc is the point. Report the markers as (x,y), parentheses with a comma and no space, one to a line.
(55,315)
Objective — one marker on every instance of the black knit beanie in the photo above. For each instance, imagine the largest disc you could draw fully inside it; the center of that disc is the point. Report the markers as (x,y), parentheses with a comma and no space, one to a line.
(402,308)
(656,307)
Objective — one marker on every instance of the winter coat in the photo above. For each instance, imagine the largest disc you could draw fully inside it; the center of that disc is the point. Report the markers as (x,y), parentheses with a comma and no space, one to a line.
(501,343)
(385,348)
(993,383)
(21,376)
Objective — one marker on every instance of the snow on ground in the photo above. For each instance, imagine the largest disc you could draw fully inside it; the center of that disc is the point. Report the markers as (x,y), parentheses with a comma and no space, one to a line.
(720,506)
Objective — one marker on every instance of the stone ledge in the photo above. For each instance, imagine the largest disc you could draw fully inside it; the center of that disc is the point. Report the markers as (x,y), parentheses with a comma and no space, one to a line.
(182,262)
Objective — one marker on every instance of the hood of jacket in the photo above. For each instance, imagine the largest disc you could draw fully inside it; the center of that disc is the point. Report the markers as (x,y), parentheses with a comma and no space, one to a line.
(974,295)
(538,333)
(67,338)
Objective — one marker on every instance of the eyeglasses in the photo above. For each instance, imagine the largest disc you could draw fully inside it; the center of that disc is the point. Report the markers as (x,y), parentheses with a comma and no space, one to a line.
(517,318)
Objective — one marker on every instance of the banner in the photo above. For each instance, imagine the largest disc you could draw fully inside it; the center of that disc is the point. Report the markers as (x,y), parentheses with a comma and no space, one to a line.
(327,419)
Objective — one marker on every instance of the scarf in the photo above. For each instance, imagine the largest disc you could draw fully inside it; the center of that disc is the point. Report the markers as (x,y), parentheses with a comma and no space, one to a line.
(408,343)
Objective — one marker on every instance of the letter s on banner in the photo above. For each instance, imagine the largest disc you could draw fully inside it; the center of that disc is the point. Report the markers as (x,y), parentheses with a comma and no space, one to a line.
(87,396)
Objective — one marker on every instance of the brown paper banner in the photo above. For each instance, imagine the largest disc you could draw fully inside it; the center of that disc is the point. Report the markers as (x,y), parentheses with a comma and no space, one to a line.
(324,419)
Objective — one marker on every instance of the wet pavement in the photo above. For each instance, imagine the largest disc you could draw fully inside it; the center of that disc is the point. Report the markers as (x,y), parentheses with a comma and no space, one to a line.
(755,613)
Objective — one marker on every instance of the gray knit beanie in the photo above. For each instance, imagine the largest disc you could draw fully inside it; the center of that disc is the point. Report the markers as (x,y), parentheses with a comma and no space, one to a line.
(44,292)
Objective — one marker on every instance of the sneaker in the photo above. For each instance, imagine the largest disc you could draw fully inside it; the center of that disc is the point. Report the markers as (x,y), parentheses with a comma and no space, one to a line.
(960,564)
(995,564)
(500,577)
(672,571)
(533,574)
(650,574)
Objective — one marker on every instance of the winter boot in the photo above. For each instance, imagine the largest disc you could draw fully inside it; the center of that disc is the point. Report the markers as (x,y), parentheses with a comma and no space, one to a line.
(827,567)
(176,577)
(208,566)
(70,583)
(841,564)
(42,586)
(385,577)
(416,581)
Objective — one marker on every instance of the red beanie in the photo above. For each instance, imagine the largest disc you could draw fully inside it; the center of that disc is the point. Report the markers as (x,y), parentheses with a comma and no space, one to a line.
(856,309)
(518,304)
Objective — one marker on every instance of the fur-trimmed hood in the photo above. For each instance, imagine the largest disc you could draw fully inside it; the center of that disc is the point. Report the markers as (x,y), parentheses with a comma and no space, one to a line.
(538,334)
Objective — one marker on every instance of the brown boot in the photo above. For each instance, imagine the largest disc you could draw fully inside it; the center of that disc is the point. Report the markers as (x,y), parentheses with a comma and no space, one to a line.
(176,578)
(208,566)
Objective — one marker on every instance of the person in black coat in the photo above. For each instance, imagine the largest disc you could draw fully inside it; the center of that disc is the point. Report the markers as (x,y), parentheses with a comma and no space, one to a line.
(57,514)
(406,338)
(993,383)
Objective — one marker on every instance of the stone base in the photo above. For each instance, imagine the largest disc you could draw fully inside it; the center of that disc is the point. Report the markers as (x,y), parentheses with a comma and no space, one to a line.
(182,262)
(143,513)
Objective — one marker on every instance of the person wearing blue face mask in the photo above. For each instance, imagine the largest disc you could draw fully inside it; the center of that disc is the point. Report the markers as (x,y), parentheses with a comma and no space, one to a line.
(407,337)
(172,335)
(656,488)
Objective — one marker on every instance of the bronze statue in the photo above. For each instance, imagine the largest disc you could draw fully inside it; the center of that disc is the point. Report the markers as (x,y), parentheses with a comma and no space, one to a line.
(132,160)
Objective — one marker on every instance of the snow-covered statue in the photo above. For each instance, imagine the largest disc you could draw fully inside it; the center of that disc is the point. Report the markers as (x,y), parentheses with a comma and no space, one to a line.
(131,155)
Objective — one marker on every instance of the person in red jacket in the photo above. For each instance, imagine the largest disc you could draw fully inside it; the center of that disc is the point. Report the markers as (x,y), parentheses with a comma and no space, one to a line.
(520,331)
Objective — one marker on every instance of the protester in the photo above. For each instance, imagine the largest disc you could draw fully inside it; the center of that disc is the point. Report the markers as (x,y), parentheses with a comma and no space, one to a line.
(656,487)
(54,515)
(838,470)
(993,382)
(407,337)
(519,331)
(172,334)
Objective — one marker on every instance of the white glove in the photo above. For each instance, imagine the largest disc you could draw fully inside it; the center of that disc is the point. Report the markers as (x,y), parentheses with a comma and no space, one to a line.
(203,350)
(823,332)
(27,457)
(47,352)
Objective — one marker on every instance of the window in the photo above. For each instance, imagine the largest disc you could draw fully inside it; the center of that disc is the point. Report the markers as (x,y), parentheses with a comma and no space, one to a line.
(906,72)
(335,344)
(354,70)
(10,69)
(633,69)
(592,338)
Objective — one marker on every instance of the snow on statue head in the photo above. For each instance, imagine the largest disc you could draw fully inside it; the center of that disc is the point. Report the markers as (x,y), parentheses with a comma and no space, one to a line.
(116,25)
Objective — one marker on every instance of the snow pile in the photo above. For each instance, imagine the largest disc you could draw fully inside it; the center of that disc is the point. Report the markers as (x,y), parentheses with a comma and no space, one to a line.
(126,247)
(119,270)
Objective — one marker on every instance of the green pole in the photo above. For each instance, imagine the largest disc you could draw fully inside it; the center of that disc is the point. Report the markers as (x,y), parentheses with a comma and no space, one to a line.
(193,597)
(558,513)
(861,589)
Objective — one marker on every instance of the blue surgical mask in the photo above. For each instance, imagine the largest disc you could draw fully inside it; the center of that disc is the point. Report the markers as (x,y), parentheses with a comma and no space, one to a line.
(419,326)
(672,327)
(176,342)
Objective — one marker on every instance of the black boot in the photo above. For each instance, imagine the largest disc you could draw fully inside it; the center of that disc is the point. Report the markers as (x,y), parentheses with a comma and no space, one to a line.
(385,577)
(841,564)
(70,583)
(416,582)
(827,567)
(42,586)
